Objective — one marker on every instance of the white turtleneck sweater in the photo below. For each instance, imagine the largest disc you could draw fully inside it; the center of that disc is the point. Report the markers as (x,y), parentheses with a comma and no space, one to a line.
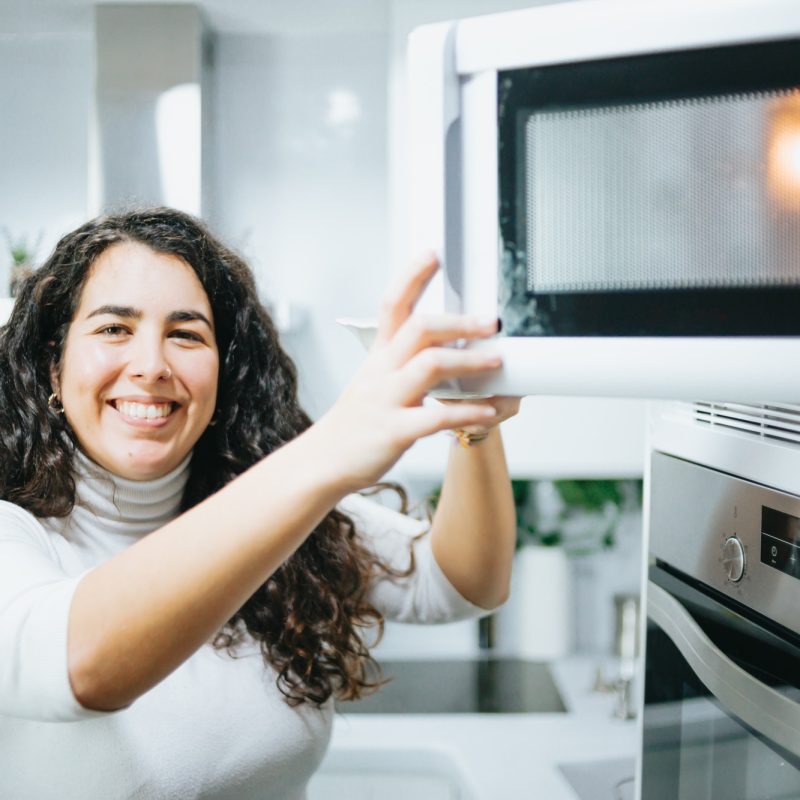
(217,727)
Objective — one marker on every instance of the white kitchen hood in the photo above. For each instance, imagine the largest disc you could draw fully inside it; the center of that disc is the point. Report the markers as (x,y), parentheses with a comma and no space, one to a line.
(145,136)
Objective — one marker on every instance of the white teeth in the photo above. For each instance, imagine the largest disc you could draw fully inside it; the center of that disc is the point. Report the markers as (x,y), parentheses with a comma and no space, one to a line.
(143,410)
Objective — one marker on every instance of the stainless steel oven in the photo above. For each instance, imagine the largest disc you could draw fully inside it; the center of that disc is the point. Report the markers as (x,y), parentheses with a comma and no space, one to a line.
(722,663)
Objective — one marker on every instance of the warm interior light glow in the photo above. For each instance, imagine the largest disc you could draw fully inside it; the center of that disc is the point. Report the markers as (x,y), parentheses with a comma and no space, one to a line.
(783,152)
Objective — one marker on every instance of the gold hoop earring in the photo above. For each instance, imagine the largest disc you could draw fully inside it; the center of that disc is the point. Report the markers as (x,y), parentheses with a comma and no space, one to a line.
(54,404)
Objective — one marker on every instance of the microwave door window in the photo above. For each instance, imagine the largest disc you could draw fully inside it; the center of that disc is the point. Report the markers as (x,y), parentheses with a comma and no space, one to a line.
(653,195)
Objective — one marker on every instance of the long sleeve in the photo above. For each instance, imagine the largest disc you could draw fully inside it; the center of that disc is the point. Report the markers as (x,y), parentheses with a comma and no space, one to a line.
(426,596)
(35,598)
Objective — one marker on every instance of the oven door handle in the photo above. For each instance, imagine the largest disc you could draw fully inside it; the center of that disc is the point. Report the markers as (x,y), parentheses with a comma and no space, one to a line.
(764,709)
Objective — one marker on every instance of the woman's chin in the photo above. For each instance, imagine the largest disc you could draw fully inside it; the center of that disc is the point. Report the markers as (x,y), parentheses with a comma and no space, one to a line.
(146,465)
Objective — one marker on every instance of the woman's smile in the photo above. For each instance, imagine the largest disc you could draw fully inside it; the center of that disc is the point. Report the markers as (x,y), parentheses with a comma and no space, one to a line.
(145,413)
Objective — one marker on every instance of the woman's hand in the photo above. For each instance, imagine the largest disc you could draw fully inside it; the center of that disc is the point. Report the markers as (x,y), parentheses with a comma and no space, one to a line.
(381,414)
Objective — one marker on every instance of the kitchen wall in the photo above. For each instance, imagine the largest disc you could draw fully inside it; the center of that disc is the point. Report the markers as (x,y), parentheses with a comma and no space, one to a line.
(46,78)
(300,183)
(298,167)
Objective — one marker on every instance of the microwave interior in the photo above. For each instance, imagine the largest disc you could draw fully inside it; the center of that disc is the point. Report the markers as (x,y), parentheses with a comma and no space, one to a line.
(652,195)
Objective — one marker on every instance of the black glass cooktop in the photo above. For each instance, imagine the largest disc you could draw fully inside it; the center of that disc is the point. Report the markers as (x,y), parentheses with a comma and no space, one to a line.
(468,686)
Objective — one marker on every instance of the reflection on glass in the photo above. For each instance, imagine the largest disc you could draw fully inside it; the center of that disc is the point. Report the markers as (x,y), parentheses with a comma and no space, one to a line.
(719,757)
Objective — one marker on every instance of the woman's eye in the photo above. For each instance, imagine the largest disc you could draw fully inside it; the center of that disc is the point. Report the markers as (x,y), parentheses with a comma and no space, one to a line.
(116,331)
(190,335)
(113,330)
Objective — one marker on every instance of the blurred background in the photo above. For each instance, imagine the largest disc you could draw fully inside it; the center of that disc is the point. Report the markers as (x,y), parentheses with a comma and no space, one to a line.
(283,125)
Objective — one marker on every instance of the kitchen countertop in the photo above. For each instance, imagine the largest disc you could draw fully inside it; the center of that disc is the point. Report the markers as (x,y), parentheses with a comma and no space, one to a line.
(504,755)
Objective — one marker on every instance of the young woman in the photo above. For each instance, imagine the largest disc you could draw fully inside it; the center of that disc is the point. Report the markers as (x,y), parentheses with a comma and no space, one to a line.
(187,573)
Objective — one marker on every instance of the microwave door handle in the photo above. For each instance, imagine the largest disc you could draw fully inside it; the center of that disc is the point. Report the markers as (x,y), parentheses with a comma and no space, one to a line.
(434,92)
(765,710)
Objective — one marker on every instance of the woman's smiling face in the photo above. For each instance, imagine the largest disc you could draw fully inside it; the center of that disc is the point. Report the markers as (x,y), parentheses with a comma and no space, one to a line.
(139,371)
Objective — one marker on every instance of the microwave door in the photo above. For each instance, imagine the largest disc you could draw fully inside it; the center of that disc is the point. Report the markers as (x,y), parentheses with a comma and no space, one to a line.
(742,370)
(610,195)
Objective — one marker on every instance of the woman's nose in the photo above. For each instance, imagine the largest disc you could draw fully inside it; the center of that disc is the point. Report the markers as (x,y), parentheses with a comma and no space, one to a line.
(149,363)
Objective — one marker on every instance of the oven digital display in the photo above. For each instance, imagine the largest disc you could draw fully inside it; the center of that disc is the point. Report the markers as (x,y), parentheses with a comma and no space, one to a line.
(780,541)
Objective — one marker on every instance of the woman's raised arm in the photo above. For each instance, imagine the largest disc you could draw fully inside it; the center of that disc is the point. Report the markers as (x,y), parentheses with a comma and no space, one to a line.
(138,616)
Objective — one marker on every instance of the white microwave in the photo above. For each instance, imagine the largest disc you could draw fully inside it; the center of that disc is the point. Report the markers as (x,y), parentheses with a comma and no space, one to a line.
(619,182)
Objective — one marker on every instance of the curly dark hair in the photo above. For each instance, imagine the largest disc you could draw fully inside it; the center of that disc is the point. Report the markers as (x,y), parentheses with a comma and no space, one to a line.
(309,615)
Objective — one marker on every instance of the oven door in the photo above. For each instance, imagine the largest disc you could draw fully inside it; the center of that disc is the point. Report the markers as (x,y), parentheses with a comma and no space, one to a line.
(722,705)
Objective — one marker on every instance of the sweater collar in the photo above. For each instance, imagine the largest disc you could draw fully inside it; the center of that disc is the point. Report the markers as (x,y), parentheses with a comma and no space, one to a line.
(108,496)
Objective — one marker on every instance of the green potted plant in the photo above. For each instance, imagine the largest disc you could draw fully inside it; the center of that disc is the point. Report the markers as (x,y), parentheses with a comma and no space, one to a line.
(582,517)
(23,253)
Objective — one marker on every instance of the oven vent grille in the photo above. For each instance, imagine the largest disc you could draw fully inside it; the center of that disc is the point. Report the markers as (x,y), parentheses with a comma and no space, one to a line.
(767,421)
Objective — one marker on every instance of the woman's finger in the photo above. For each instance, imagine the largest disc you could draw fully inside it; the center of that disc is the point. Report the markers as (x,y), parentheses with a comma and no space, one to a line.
(425,420)
(421,331)
(399,301)
(506,407)
(436,364)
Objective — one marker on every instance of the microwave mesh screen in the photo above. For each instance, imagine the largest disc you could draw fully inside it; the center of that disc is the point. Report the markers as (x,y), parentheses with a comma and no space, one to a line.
(691,193)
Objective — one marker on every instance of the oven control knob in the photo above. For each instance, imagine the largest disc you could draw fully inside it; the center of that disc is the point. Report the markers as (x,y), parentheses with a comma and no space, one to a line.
(733,559)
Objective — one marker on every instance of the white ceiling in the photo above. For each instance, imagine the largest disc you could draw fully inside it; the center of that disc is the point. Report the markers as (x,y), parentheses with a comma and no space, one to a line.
(280,17)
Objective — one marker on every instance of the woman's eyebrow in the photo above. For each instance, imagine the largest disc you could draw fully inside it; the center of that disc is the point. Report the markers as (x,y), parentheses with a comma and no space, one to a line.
(188,316)
(128,312)
(117,311)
